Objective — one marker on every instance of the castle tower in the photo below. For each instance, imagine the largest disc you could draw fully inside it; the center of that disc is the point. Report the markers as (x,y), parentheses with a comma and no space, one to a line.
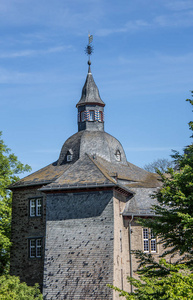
(90,107)
(70,219)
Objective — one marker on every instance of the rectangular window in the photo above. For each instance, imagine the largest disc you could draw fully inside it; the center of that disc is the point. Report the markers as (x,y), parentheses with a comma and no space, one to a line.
(153,242)
(79,117)
(38,207)
(100,116)
(35,247)
(32,207)
(91,115)
(82,116)
(145,240)
(149,241)
(32,248)
(35,207)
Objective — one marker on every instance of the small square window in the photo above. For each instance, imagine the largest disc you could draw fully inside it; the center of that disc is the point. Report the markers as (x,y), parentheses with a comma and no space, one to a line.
(35,207)
(69,157)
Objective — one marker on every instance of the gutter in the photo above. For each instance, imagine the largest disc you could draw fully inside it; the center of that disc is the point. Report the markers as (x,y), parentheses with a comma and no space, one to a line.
(130,255)
(76,186)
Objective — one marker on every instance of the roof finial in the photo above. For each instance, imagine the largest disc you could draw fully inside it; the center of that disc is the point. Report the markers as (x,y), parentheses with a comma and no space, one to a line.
(89,48)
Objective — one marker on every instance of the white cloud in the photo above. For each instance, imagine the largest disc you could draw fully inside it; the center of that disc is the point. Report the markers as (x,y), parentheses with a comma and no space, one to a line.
(72,15)
(177,14)
(29,52)
(157,58)
(129,26)
(16,77)
(144,149)
(46,151)
(177,19)
(179,5)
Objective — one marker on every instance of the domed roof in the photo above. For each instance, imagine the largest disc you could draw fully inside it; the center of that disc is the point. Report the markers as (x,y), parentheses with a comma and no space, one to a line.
(97,143)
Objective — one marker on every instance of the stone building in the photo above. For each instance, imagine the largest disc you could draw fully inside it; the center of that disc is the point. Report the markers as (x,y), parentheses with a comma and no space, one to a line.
(73,225)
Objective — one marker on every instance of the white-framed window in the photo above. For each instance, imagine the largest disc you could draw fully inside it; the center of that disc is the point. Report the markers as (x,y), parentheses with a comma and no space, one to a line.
(35,247)
(35,205)
(69,157)
(149,241)
(153,242)
(118,155)
(91,115)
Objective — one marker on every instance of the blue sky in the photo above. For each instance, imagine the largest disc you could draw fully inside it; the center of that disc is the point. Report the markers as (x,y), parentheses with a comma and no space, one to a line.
(142,64)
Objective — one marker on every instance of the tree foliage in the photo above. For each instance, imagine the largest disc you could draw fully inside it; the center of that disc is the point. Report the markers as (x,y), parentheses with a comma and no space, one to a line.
(173,225)
(10,286)
(10,167)
(12,289)
(160,281)
(161,164)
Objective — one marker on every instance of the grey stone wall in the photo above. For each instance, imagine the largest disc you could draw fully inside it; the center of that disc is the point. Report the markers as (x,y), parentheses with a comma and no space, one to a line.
(28,269)
(79,246)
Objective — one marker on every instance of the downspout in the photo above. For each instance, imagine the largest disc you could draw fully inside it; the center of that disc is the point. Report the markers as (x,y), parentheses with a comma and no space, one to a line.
(130,256)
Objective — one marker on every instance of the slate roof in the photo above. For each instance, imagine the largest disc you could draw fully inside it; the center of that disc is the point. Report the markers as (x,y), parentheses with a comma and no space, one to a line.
(45,175)
(83,172)
(131,175)
(90,92)
(141,203)
(90,171)
(92,142)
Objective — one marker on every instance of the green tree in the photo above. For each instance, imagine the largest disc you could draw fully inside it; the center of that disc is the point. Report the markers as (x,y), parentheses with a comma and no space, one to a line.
(12,289)
(173,225)
(10,168)
(10,286)
(161,164)
(160,281)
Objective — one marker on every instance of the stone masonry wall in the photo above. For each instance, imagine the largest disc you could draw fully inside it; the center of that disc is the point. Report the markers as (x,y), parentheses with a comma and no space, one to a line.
(121,246)
(79,246)
(28,269)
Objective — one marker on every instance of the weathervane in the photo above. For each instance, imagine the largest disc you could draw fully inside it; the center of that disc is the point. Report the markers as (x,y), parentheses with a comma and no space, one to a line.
(89,48)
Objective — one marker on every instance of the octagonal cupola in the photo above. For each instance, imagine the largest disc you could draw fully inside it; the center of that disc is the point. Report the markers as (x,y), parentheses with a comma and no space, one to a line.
(90,107)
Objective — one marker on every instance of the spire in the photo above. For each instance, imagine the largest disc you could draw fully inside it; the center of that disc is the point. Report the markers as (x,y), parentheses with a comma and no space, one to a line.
(90,92)
(90,106)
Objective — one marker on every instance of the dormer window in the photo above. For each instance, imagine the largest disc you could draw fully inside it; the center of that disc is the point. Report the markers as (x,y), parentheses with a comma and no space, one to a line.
(69,155)
(118,155)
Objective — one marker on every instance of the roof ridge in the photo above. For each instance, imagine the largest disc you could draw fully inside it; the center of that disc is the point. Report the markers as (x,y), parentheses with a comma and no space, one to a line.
(101,169)
(63,179)
(71,167)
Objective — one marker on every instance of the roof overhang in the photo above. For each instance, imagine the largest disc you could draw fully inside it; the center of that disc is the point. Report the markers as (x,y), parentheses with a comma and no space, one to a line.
(90,103)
